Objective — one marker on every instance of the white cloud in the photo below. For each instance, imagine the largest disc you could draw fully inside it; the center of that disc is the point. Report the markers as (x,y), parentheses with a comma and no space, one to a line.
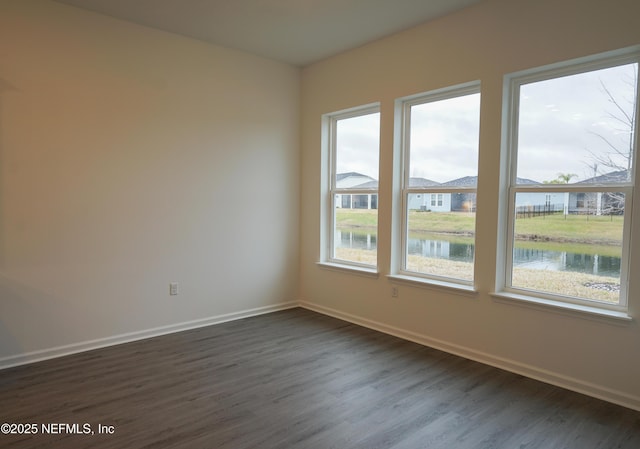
(570,139)
(562,123)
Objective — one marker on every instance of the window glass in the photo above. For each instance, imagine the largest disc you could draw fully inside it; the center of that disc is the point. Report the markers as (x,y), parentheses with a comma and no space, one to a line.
(440,192)
(578,127)
(355,188)
(357,146)
(570,244)
(571,189)
(444,139)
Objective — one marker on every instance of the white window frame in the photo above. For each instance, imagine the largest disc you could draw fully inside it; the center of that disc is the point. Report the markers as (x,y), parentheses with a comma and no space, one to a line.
(330,191)
(403,118)
(509,189)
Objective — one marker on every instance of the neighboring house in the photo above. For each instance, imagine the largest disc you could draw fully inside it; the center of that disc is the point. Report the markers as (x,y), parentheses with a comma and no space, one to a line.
(465,201)
(547,202)
(595,203)
(356,201)
(427,201)
(599,203)
(351,179)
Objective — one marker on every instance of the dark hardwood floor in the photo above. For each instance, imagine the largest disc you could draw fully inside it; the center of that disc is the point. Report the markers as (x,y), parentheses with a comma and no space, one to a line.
(296,379)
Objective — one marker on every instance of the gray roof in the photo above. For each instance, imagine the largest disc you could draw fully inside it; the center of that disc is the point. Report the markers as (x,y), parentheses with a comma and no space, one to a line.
(469,181)
(422,182)
(472,181)
(413,182)
(466,181)
(367,185)
(340,176)
(614,176)
(526,181)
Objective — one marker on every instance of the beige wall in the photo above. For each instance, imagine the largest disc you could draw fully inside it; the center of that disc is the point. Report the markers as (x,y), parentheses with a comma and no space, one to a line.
(483,42)
(131,158)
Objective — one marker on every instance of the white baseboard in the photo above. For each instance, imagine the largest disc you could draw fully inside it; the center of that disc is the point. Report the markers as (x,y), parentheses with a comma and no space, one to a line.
(59,351)
(569,383)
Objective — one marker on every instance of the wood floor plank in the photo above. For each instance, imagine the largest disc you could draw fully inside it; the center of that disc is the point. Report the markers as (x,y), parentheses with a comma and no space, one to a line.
(298,379)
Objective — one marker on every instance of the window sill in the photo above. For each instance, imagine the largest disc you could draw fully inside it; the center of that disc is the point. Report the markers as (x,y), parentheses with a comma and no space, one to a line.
(576,310)
(351,269)
(433,284)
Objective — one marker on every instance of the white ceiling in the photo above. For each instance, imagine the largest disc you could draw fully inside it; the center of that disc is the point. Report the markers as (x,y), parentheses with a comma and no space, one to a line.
(298,32)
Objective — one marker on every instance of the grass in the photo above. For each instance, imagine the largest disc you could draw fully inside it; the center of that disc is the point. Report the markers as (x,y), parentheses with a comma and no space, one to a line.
(357,218)
(579,233)
(605,230)
(442,222)
(600,230)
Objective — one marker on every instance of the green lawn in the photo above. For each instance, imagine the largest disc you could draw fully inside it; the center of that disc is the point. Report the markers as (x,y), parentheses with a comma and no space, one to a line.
(357,218)
(605,230)
(601,230)
(438,222)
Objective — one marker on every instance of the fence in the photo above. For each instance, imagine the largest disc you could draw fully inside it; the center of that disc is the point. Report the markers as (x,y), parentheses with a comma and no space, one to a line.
(539,210)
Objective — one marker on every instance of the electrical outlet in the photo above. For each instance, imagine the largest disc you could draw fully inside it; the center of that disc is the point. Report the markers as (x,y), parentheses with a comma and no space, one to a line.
(394,291)
(173,288)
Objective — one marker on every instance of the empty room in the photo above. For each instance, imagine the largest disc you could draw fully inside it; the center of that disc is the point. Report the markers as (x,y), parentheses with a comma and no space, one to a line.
(319,224)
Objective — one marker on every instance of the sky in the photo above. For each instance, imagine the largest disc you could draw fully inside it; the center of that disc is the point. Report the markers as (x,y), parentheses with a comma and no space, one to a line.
(444,138)
(358,144)
(564,122)
(565,125)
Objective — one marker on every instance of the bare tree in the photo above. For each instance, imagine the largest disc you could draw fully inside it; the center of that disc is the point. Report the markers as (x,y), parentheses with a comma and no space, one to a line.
(619,156)
(616,163)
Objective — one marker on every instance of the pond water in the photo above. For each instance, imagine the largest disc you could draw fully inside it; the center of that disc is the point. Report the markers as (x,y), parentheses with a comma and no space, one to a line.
(457,249)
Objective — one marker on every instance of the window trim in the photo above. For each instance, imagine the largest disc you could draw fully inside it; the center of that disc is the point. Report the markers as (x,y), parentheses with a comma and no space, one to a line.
(329,191)
(509,187)
(402,190)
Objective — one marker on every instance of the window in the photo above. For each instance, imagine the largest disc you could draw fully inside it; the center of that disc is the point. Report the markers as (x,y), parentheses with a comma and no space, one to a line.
(570,146)
(353,139)
(440,172)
